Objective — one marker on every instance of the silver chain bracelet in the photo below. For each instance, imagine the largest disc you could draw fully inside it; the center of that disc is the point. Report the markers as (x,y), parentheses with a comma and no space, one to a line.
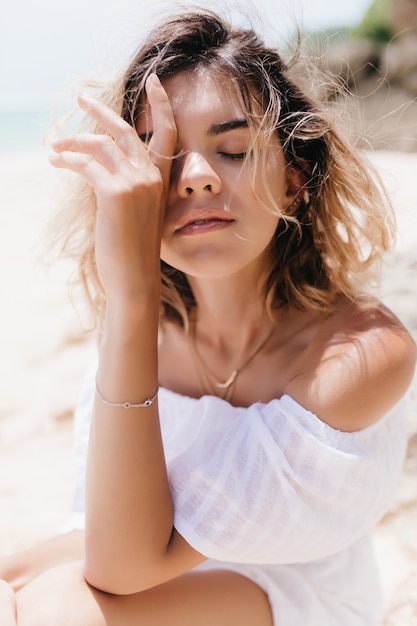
(126,405)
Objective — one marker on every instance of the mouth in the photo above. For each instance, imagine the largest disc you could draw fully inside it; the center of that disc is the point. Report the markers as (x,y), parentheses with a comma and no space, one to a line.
(203,221)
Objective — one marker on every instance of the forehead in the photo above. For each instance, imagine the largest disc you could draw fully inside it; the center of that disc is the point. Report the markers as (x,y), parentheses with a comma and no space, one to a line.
(201,95)
(203,89)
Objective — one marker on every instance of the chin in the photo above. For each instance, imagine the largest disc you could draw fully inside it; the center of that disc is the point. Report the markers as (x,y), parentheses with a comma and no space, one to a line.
(217,263)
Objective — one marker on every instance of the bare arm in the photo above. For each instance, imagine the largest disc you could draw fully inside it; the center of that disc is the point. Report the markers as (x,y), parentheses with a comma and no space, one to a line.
(359,372)
(130,541)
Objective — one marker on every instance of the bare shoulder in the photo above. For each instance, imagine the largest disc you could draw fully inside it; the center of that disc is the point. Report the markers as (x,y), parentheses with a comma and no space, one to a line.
(359,365)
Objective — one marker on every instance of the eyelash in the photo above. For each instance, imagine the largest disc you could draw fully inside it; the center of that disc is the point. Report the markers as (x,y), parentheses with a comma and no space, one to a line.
(238,156)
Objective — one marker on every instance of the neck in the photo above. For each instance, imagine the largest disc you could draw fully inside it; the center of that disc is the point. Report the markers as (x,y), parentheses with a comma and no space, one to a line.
(228,332)
(229,317)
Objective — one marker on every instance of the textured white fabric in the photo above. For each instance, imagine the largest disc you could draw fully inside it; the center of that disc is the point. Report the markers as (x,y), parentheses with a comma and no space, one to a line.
(272,483)
(341,590)
(274,493)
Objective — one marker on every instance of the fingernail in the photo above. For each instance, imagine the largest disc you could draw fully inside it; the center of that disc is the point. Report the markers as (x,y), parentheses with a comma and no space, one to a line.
(153,80)
(84,98)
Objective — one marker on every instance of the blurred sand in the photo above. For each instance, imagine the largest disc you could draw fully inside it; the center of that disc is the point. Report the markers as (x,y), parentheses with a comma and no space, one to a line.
(43,358)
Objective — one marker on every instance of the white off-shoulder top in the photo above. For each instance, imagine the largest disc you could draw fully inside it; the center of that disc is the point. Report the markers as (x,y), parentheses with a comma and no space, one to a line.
(276,494)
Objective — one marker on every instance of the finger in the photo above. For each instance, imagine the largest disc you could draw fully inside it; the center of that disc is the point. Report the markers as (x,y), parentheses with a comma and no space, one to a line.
(102,148)
(123,134)
(164,137)
(89,168)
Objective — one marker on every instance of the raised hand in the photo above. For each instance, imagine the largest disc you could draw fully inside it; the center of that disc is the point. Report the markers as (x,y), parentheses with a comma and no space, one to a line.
(130,180)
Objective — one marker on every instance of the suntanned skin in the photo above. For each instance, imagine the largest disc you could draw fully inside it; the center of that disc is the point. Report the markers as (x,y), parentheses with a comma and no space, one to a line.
(334,365)
(348,367)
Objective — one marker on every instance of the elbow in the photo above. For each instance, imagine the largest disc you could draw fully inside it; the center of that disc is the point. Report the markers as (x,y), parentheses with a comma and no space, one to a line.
(100,580)
(112,580)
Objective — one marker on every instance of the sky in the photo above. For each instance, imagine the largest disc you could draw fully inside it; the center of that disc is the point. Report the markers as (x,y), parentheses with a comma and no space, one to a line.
(48,45)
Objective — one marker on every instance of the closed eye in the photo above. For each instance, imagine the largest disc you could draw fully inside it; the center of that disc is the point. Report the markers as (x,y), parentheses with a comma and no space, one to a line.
(233,156)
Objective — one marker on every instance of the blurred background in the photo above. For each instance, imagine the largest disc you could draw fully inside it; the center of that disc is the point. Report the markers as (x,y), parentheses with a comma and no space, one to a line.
(45,47)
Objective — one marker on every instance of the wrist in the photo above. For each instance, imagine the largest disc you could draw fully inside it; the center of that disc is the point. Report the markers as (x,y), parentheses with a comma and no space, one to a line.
(131,324)
(134,305)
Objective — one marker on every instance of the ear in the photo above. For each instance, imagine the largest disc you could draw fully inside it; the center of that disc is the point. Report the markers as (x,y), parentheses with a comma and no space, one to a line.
(296,190)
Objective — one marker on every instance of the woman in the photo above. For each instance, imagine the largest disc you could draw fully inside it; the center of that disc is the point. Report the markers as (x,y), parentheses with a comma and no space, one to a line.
(225,246)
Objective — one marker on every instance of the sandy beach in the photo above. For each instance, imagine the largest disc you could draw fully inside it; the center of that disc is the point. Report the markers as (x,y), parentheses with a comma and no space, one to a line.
(44,353)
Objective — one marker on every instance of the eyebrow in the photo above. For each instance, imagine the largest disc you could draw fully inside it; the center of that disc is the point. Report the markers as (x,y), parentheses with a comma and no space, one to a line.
(213,131)
(224,127)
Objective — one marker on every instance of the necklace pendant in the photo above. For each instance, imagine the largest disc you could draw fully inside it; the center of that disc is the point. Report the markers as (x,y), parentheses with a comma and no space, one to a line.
(229,381)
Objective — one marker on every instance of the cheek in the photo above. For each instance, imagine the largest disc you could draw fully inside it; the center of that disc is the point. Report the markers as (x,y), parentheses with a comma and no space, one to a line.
(270,185)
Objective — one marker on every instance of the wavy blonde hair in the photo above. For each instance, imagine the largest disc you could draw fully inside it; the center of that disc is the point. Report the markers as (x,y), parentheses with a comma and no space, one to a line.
(339,230)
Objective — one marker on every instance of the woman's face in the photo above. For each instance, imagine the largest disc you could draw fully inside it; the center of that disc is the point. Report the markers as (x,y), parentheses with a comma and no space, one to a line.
(214,224)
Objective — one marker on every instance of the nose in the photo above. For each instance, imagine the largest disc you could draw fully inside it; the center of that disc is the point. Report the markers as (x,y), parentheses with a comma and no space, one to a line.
(192,173)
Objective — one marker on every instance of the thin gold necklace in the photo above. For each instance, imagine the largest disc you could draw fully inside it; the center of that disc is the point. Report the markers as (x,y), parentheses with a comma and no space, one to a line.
(224,389)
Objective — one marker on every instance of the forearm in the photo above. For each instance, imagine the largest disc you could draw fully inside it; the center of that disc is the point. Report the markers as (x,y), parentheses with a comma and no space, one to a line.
(129,513)
(20,568)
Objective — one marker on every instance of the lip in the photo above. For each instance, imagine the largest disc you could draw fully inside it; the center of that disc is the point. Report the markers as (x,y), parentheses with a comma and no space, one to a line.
(202,220)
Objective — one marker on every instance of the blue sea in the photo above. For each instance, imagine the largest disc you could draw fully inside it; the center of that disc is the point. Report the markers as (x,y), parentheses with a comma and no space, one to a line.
(23,129)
